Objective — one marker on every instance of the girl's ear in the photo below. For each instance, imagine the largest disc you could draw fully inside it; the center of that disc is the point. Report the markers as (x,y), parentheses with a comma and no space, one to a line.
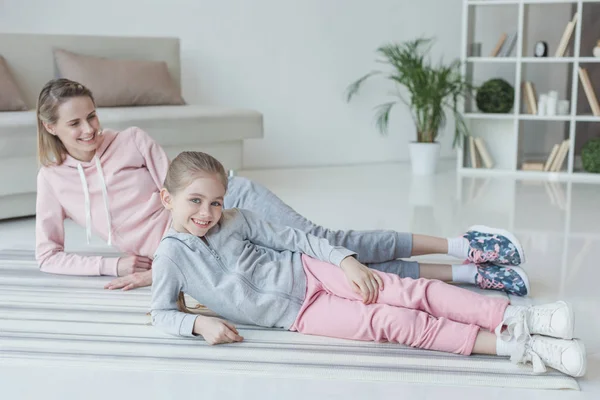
(166,199)
(49,128)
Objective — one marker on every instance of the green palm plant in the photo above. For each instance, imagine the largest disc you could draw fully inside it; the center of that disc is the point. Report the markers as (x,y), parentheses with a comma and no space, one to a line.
(434,90)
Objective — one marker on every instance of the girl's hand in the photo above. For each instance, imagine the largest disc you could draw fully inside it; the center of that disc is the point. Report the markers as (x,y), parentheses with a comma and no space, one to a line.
(136,280)
(362,279)
(131,264)
(216,330)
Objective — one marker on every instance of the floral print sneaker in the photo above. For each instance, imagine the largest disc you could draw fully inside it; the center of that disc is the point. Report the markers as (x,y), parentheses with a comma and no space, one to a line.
(497,246)
(512,280)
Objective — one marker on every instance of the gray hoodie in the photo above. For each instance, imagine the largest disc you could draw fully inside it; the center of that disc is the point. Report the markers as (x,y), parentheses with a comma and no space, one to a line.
(250,272)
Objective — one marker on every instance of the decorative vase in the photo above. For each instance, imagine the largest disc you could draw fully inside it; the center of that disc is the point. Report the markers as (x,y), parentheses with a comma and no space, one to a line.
(597,49)
(424,157)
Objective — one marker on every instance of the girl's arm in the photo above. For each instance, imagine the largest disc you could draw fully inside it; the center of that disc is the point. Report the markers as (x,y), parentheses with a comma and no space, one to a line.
(157,161)
(167,282)
(50,239)
(278,237)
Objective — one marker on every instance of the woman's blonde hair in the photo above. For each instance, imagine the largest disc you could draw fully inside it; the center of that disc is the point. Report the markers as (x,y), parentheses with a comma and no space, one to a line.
(181,173)
(51,151)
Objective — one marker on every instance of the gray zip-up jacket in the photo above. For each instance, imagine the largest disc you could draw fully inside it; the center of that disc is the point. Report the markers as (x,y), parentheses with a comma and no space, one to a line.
(250,272)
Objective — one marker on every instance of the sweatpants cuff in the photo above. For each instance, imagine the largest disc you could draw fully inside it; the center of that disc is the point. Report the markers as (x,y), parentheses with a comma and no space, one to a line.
(403,245)
(410,269)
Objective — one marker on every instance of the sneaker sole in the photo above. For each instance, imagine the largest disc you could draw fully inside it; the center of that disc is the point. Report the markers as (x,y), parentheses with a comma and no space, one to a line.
(506,234)
(581,348)
(569,335)
(525,278)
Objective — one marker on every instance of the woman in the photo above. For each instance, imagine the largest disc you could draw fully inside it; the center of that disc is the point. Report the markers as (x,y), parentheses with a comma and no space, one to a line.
(109,182)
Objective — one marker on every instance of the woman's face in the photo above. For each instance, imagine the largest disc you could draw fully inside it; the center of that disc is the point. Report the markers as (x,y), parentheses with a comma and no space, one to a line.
(78,128)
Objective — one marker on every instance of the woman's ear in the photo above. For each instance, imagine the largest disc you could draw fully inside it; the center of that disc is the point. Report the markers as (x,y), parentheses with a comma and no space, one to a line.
(49,128)
(165,198)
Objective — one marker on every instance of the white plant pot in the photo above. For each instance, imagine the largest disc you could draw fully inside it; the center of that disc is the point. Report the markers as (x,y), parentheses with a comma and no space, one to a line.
(424,157)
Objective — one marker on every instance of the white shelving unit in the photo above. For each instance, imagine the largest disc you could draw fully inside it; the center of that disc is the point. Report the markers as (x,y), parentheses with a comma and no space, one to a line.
(502,131)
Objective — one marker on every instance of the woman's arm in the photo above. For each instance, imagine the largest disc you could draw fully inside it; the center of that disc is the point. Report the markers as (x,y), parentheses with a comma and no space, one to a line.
(157,161)
(278,237)
(50,238)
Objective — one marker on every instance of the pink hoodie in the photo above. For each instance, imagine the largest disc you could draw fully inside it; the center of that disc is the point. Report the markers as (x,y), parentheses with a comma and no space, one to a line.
(116,195)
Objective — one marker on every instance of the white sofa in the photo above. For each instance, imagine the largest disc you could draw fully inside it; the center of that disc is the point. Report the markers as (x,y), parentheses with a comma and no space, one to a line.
(215,130)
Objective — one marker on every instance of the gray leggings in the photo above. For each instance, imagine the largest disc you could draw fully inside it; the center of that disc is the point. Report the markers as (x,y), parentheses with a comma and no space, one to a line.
(378,249)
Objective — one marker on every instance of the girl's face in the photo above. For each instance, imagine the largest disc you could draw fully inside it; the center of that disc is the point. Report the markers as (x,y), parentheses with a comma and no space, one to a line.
(198,207)
(77,127)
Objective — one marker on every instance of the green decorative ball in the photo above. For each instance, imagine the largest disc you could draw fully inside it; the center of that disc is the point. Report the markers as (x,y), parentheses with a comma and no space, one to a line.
(495,96)
(590,155)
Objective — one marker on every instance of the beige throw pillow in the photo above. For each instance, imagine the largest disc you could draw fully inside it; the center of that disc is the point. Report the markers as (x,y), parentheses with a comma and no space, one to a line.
(10,96)
(116,82)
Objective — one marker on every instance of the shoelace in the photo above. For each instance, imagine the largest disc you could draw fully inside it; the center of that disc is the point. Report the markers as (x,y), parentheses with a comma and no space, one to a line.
(516,326)
(525,350)
(487,283)
(481,258)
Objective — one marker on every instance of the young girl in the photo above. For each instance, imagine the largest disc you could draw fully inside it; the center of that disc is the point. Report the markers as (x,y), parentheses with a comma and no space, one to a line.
(252,272)
(109,182)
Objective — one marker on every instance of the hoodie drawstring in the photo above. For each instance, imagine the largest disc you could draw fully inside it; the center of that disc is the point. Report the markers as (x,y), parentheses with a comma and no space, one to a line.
(105,196)
(88,212)
(86,193)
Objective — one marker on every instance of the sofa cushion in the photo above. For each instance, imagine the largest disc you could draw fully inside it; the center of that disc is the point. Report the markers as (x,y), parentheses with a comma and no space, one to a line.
(169,125)
(177,125)
(119,82)
(10,95)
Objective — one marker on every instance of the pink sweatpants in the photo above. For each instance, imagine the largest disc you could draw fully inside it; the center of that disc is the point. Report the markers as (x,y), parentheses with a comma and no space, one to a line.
(423,313)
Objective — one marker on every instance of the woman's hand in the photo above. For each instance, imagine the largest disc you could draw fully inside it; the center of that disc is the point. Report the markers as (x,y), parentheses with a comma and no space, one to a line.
(216,330)
(135,280)
(362,279)
(131,264)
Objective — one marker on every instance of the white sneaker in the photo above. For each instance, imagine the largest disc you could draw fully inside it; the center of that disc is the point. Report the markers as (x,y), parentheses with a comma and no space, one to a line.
(553,319)
(567,356)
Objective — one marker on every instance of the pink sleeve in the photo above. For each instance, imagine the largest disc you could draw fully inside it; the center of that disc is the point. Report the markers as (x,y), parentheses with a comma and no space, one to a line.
(50,239)
(157,161)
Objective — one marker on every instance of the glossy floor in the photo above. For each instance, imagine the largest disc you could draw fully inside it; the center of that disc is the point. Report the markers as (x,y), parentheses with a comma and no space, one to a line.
(558,223)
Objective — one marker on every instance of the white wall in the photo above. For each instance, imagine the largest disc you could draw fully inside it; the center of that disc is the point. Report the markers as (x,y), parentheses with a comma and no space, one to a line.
(291,60)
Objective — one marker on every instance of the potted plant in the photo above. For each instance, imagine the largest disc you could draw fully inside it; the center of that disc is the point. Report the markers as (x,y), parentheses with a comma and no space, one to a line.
(434,90)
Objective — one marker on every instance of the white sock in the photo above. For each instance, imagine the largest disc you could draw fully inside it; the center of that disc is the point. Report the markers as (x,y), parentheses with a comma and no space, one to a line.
(506,348)
(458,247)
(464,273)
(511,311)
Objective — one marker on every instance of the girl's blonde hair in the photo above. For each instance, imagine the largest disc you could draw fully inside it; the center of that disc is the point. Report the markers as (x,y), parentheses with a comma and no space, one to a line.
(51,151)
(181,173)
(187,165)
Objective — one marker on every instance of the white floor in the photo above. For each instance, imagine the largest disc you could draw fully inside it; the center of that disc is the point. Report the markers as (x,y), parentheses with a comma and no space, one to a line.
(558,223)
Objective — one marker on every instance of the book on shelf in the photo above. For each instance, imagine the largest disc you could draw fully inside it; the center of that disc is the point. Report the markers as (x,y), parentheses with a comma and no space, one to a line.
(589,91)
(486,159)
(530,98)
(532,166)
(473,154)
(566,37)
(509,45)
(551,157)
(559,160)
(496,50)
